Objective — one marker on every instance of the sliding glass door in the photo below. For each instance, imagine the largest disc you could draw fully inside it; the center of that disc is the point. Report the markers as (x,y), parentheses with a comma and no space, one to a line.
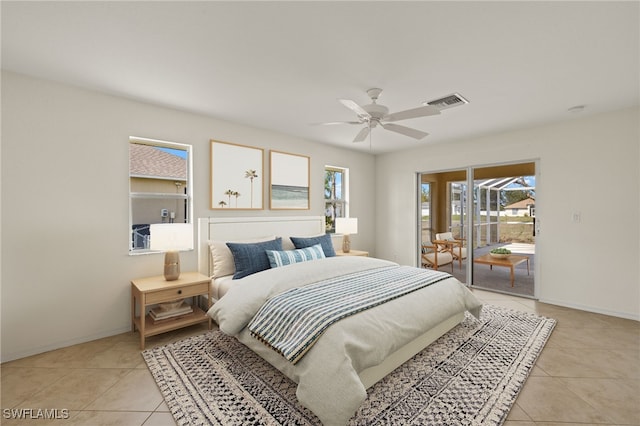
(484,209)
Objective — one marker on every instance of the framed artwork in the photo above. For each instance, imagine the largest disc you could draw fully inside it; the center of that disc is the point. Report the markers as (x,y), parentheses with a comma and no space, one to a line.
(289,188)
(237,178)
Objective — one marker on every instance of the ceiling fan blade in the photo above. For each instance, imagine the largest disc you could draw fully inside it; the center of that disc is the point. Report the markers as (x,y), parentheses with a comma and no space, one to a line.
(362,134)
(331,123)
(355,107)
(423,111)
(407,131)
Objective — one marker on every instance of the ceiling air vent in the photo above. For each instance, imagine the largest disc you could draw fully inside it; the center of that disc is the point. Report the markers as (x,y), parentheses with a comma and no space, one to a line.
(448,101)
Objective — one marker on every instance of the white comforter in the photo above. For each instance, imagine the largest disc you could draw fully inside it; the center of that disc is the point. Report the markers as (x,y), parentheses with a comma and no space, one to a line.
(327,377)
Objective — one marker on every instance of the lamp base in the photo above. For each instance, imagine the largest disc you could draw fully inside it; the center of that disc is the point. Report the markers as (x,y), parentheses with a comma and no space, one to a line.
(346,243)
(171,266)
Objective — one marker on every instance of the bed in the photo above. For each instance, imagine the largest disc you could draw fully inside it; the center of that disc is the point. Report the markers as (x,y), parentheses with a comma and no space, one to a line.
(353,353)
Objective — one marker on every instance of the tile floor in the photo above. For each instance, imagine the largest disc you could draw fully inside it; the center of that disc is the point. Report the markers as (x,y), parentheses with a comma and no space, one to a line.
(588,374)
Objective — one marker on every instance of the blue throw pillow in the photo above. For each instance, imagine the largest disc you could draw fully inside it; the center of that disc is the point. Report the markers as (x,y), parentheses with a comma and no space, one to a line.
(250,258)
(287,257)
(323,240)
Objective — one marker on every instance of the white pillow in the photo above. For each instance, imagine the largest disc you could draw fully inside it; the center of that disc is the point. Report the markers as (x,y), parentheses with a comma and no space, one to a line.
(222,263)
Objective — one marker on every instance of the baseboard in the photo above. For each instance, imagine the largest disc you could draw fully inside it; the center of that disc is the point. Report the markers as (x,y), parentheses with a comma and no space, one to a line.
(12,356)
(595,310)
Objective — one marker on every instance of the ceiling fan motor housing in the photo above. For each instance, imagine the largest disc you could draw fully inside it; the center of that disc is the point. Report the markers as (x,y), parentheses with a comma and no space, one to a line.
(377,112)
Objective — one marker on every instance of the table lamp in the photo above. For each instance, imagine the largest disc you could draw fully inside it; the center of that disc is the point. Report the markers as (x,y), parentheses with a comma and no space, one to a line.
(346,226)
(170,238)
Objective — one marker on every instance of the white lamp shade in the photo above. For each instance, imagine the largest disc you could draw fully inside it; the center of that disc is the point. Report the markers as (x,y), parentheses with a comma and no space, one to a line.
(347,225)
(171,236)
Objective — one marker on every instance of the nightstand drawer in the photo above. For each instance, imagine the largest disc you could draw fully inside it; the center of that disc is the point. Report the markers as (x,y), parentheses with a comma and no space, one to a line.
(176,293)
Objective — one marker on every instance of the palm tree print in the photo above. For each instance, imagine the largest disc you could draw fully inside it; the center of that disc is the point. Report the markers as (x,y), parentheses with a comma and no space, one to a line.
(229,193)
(251,174)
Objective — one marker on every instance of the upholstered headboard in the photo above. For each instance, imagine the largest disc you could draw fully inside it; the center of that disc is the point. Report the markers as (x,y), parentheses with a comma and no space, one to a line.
(244,228)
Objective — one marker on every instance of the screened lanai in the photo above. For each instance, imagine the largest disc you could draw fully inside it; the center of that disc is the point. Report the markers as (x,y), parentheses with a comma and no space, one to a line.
(493,212)
(501,206)
(499,221)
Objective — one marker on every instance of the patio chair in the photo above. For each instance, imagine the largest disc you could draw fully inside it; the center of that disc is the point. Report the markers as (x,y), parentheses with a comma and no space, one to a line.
(435,255)
(454,245)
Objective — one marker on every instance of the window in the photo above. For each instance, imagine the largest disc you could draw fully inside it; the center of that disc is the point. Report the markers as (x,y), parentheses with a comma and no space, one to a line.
(336,195)
(159,187)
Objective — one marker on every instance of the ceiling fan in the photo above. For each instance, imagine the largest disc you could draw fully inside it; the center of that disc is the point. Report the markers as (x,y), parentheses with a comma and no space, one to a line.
(373,114)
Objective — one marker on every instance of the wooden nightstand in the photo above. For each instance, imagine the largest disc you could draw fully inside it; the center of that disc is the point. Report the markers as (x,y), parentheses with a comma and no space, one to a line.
(154,290)
(352,253)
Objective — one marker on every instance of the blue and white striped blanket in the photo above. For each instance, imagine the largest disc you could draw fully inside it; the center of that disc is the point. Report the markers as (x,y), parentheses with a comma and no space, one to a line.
(291,322)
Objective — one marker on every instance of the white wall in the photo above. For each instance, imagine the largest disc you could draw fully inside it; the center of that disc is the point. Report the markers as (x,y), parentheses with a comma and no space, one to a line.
(65,263)
(588,165)
(65,266)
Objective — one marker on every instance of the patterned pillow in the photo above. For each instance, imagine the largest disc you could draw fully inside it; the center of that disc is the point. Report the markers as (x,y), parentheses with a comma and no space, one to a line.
(250,258)
(323,240)
(287,257)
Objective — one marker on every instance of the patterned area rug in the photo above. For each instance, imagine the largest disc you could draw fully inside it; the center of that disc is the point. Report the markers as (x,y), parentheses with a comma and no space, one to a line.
(470,376)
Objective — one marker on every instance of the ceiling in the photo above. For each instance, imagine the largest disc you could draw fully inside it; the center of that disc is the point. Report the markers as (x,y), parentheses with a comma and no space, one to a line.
(283,65)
